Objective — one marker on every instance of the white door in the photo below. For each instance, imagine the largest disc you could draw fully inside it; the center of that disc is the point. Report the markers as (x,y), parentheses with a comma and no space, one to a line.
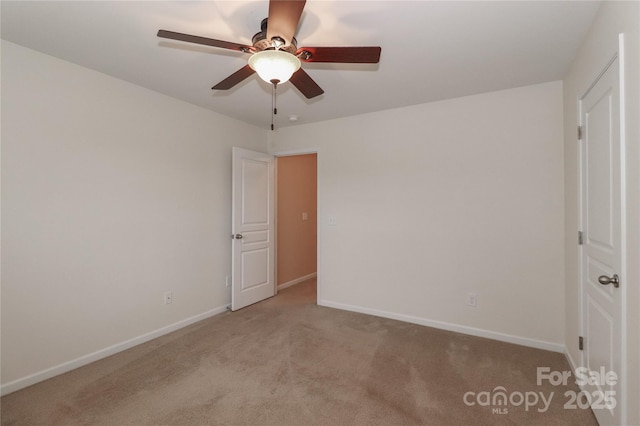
(602,249)
(252,228)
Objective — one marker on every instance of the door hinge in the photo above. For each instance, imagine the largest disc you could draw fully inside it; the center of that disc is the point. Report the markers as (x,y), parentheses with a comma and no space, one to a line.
(579,133)
(580,343)
(580,240)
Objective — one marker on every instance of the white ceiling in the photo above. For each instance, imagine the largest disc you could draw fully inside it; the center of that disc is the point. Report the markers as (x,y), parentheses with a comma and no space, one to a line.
(431,50)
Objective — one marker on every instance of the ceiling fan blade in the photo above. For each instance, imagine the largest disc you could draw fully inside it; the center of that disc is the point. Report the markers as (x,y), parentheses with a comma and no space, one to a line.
(204,40)
(349,55)
(305,84)
(234,78)
(284,16)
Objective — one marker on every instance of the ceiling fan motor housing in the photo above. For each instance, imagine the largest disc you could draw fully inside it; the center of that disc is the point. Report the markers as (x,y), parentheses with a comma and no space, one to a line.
(261,43)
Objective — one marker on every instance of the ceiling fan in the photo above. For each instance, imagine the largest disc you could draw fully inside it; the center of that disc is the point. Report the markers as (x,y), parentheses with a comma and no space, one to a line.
(274,52)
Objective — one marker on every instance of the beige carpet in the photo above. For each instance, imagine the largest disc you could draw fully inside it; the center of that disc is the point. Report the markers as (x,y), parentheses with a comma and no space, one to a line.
(286,361)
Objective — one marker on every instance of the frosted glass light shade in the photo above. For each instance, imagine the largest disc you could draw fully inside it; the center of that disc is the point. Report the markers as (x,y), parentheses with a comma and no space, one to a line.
(274,65)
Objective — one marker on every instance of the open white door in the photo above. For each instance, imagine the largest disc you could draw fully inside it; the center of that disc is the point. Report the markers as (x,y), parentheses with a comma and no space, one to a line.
(253,220)
(602,254)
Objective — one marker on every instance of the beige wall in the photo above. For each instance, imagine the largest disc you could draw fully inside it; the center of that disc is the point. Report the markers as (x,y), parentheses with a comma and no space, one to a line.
(297,242)
(439,200)
(598,48)
(111,195)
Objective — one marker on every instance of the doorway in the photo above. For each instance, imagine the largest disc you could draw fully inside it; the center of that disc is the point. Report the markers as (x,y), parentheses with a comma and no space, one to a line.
(296,219)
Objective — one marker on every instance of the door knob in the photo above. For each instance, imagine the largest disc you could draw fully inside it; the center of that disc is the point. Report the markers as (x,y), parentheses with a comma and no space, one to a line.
(605,280)
(237,236)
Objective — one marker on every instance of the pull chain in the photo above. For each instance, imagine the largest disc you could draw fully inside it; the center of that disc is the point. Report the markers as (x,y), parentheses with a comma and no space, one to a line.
(274,109)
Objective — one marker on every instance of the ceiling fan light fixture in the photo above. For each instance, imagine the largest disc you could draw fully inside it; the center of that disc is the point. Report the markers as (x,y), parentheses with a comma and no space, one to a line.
(274,65)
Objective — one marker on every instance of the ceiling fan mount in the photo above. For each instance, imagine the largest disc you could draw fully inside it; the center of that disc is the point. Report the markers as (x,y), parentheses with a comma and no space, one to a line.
(277,33)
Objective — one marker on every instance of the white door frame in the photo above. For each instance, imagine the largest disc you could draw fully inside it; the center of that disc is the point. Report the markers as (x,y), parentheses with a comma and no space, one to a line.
(290,153)
(622,374)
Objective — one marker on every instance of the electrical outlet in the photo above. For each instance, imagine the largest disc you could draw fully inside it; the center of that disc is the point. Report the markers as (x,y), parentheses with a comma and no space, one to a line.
(227,281)
(305,216)
(333,220)
(168,298)
(472,300)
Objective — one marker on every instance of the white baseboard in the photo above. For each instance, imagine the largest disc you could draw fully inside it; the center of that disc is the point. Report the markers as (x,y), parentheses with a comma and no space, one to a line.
(119,347)
(103,353)
(524,341)
(297,281)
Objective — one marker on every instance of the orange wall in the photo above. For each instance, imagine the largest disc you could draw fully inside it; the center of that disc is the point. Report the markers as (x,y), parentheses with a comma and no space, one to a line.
(297,238)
